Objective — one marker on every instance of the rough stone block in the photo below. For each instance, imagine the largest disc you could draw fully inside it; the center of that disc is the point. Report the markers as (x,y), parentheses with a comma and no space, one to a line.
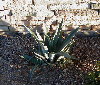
(1,13)
(3,22)
(4,28)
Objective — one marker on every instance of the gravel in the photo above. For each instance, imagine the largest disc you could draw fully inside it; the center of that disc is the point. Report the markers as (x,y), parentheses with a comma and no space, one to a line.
(15,70)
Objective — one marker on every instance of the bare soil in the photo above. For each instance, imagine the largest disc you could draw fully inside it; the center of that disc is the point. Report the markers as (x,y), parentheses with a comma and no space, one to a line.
(16,71)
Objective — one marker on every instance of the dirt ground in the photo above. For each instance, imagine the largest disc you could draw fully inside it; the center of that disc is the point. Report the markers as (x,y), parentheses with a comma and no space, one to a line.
(16,71)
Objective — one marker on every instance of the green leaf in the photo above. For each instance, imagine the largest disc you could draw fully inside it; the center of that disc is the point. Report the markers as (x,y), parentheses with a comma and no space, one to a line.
(59,43)
(66,55)
(41,57)
(68,39)
(57,36)
(39,36)
(68,47)
(59,54)
(47,42)
(41,47)
(32,33)
(45,29)
(33,60)
(44,50)
(47,39)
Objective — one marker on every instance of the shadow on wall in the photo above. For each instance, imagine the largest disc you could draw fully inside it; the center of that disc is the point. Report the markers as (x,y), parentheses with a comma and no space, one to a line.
(4,26)
(7,27)
(28,21)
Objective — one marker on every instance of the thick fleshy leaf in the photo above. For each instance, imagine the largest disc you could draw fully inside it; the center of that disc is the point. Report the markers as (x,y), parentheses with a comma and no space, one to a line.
(42,51)
(39,36)
(67,47)
(41,47)
(32,33)
(68,39)
(47,40)
(59,43)
(45,51)
(66,55)
(45,29)
(56,45)
(57,35)
(33,60)
(50,47)
(41,57)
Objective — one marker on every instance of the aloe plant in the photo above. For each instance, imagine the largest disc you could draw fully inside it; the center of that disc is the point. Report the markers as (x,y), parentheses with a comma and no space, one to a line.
(51,48)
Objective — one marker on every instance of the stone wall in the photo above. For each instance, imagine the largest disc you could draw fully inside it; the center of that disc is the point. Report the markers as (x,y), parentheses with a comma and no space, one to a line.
(15,13)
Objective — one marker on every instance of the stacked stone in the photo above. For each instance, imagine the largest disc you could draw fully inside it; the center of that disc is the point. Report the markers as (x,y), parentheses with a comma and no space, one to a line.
(14,14)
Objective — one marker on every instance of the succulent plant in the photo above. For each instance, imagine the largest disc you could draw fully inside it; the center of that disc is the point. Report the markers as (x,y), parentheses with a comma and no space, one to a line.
(51,49)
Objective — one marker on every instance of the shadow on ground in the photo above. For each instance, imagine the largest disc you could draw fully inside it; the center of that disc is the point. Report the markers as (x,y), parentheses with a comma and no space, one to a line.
(15,71)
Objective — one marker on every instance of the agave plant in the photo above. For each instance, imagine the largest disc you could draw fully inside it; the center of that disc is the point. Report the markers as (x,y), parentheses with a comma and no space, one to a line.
(51,49)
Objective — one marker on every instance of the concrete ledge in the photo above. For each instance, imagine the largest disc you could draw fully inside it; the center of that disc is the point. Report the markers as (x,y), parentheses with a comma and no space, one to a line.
(3,23)
(4,28)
